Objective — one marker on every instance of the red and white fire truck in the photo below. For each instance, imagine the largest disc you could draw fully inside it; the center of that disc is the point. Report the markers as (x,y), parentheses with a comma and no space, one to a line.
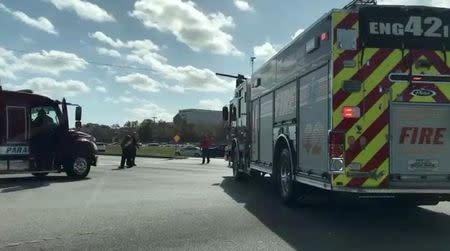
(359,103)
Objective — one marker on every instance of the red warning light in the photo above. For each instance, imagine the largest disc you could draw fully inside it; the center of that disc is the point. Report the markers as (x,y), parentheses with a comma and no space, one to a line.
(351,112)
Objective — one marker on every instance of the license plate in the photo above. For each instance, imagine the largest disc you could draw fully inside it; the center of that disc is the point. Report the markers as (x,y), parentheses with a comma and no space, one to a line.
(14,150)
(423,164)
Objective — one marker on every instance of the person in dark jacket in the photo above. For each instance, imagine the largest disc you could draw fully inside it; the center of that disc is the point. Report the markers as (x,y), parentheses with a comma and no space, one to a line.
(126,146)
(206,143)
(134,147)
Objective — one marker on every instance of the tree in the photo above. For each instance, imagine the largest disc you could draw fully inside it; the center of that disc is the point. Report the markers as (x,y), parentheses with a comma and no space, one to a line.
(145,130)
(102,133)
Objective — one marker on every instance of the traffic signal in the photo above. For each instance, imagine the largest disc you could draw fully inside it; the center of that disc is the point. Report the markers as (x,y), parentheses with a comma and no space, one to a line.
(240,80)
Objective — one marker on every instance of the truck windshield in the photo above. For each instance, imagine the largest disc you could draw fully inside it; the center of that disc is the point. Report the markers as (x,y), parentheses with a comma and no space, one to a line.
(43,116)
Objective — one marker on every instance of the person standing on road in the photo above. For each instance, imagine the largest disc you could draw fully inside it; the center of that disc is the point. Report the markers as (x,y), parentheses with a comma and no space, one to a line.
(126,151)
(134,147)
(206,143)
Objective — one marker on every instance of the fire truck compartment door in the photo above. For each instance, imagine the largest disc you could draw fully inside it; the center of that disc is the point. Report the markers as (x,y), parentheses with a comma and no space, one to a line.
(420,143)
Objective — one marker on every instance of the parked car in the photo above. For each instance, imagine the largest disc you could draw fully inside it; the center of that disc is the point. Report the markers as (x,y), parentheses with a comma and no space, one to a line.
(189,151)
(101,147)
(217,151)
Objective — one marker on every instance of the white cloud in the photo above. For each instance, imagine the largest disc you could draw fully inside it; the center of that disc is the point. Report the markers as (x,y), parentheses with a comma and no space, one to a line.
(141,82)
(188,24)
(45,62)
(51,62)
(118,100)
(297,33)
(243,5)
(101,89)
(84,9)
(139,46)
(211,104)
(108,52)
(188,77)
(149,110)
(40,23)
(7,60)
(54,88)
(264,52)
(435,3)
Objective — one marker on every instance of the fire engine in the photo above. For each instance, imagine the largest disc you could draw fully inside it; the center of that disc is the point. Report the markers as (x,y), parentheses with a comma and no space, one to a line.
(35,137)
(358,104)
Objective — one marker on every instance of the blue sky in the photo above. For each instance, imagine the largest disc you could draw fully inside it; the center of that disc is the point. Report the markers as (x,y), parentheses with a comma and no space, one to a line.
(162,54)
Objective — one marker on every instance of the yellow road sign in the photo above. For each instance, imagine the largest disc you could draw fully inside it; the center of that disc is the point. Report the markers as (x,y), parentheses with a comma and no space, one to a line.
(177,138)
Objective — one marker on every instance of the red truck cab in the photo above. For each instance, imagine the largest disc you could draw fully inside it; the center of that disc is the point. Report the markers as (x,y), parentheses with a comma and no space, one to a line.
(35,137)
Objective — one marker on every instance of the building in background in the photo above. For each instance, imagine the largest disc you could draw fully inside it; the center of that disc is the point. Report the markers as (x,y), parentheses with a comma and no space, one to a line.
(199,117)
(193,125)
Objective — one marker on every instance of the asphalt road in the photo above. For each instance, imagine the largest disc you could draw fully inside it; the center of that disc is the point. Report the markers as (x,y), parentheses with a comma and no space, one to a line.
(181,205)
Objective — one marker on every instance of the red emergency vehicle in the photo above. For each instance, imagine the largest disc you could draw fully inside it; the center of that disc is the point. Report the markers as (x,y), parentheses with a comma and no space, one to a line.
(35,137)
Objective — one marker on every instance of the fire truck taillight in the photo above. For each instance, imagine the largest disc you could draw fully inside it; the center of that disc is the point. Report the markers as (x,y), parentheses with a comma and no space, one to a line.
(351,112)
(337,144)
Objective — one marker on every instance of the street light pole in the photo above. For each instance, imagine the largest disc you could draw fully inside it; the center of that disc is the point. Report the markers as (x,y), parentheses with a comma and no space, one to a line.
(252,59)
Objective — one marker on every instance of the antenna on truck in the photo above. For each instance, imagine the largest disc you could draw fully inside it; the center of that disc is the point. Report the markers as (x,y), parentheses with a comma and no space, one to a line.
(355,4)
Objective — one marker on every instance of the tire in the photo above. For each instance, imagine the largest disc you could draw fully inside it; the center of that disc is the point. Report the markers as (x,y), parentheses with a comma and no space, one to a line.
(78,168)
(197,155)
(177,154)
(237,175)
(285,178)
(40,175)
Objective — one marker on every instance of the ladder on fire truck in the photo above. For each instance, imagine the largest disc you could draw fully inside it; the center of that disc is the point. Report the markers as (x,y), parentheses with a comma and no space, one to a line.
(358,3)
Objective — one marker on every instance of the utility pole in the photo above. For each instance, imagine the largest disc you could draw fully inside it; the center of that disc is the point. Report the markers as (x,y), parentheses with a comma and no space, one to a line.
(252,60)
(154,119)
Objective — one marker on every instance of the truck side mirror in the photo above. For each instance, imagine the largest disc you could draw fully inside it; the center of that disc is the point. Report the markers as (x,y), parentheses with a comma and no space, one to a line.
(78,112)
(225,113)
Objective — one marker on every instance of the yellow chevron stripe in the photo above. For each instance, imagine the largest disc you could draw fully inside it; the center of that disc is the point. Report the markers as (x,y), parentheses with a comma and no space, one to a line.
(369,84)
(347,73)
(382,171)
(373,147)
(445,89)
(341,180)
(338,16)
(397,89)
(368,119)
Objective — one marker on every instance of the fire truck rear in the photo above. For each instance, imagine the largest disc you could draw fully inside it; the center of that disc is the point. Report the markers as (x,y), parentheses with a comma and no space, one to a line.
(358,104)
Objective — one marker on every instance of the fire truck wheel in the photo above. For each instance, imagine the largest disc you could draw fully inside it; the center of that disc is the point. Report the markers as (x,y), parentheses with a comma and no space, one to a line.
(77,168)
(286,180)
(40,175)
